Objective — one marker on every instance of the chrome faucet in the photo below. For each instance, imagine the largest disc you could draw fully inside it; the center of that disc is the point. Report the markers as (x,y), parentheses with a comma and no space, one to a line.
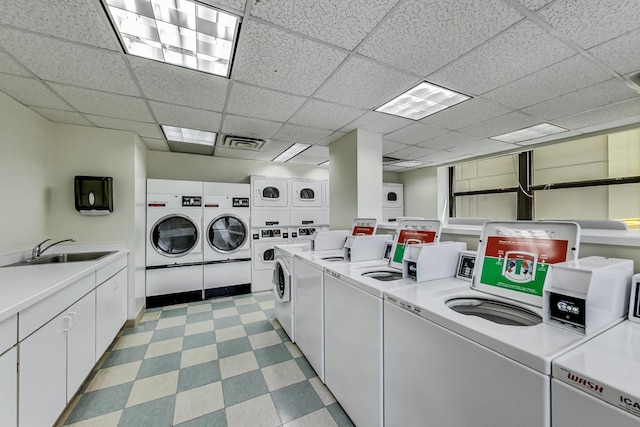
(37,249)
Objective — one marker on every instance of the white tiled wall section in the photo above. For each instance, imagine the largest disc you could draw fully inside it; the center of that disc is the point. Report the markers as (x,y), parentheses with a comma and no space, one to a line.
(493,206)
(577,160)
(498,172)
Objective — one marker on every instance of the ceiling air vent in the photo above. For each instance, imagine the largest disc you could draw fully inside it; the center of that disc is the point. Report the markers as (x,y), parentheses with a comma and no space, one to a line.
(242,143)
(386,160)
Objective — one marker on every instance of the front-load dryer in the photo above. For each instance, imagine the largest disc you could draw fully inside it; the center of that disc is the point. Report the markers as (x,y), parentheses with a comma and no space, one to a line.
(174,242)
(486,345)
(227,242)
(269,193)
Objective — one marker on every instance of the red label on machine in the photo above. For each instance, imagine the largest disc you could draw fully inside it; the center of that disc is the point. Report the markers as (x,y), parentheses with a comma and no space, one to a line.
(360,230)
(411,237)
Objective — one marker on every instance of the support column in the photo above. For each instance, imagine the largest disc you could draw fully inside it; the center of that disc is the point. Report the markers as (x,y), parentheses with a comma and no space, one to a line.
(355,176)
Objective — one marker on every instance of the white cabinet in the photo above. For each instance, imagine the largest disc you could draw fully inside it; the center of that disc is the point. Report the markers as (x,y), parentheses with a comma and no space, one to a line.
(54,361)
(9,388)
(111,310)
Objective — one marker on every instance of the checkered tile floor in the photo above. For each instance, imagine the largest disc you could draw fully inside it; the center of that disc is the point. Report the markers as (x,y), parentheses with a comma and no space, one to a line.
(223,362)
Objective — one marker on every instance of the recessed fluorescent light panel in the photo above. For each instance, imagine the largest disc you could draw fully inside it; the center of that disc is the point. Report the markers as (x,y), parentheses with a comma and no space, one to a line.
(190,136)
(421,101)
(408,164)
(179,32)
(537,131)
(291,152)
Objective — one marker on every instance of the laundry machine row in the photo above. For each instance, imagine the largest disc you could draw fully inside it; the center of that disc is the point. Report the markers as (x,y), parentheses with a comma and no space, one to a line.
(198,242)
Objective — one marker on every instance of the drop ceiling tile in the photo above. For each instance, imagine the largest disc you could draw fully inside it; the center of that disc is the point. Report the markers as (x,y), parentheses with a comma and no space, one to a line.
(390,147)
(295,133)
(620,54)
(303,159)
(329,139)
(317,151)
(31,92)
(471,111)
(595,96)
(78,20)
(265,156)
(550,138)
(515,53)
(411,153)
(614,113)
(262,103)
(557,79)
(320,114)
(178,85)
(62,116)
(9,66)
(144,130)
(156,144)
(73,64)
(192,118)
(104,104)
(589,23)
(237,5)
(339,22)
(273,58)
(483,145)
(247,126)
(499,125)
(447,141)
(534,5)
(362,83)
(415,133)
(272,146)
(378,122)
(391,168)
(440,157)
(232,153)
(421,36)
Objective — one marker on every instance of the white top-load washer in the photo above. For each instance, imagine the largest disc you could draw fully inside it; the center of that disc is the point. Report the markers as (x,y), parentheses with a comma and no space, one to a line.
(174,242)
(284,285)
(488,345)
(598,383)
(227,242)
(353,320)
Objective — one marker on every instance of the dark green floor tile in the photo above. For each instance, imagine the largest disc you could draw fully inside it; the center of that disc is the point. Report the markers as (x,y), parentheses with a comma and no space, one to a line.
(174,313)
(266,297)
(271,355)
(100,402)
(157,413)
(243,387)
(339,416)
(283,335)
(199,317)
(249,308)
(198,340)
(126,355)
(233,347)
(214,419)
(142,327)
(167,333)
(154,309)
(269,313)
(222,304)
(198,375)
(159,365)
(227,322)
(296,401)
(258,327)
(305,367)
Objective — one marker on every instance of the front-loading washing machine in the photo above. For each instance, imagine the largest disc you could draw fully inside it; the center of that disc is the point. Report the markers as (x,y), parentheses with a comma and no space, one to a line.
(227,242)
(488,345)
(174,242)
(596,384)
(263,258)
(284,285)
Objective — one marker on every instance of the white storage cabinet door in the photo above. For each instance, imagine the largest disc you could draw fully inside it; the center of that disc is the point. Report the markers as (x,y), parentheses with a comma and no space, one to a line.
(81,342)
(9,388)
(111,301)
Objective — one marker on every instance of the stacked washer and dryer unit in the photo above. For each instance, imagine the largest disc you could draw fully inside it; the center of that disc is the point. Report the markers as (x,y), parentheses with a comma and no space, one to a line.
(283,211)
(392,201)
(197,241)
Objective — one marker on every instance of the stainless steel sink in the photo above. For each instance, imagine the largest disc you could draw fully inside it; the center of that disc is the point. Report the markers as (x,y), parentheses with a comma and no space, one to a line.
(64,258)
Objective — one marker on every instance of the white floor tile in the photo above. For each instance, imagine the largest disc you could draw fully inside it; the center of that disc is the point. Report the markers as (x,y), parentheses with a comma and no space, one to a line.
(164,347)
(323,392)
(320,418)
(174,306)
(264,339)
(256,316)
(148,389)
(257,412)
(244,301)
(238,364)
(198,355)
(133,340)
(198,328)
(282,375)
(115,375)
(267,305)
(170,322)
(293,349)
(198,401)
(150,316)
(225,312)
(109,420)
(200,308)
(232,333)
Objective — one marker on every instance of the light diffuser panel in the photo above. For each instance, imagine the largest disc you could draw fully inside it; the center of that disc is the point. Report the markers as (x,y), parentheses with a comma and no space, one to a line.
(537,131)
(422,101)
(191,136)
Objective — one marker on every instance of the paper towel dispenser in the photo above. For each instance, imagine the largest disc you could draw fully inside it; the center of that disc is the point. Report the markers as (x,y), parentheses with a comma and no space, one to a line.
(93,195)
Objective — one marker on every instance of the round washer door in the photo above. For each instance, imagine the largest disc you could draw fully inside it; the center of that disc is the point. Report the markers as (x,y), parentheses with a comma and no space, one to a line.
(174,235)
(227,233)
(281,280)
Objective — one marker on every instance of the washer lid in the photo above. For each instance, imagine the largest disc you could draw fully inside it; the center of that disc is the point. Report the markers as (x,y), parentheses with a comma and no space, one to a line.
(513,257)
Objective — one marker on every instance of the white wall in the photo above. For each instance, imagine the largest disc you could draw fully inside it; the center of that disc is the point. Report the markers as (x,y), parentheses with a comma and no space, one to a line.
(137,295)
(191,167)
(421,193)
(24,167)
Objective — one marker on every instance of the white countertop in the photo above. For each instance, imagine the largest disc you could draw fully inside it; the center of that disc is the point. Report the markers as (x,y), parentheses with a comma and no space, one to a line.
(23,286)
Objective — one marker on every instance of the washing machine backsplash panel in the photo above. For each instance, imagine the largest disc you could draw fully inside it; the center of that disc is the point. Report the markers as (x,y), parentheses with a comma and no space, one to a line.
(514,257)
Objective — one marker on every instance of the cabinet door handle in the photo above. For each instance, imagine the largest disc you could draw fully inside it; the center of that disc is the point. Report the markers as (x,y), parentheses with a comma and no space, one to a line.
(116,284)
(67,323)
(72,318)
